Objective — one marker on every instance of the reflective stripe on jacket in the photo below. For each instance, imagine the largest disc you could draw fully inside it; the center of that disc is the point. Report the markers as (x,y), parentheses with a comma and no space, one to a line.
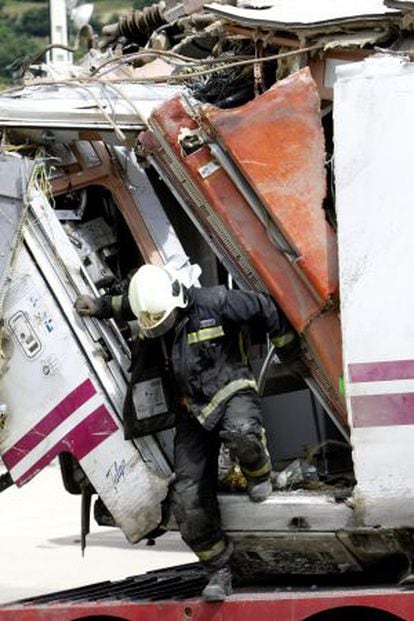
(203,348)
(205,354)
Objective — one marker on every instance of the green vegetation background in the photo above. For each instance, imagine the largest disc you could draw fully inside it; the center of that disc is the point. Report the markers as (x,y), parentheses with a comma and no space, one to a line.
(24,29)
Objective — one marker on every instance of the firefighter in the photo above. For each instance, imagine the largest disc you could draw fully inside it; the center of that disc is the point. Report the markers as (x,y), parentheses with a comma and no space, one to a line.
(194,335)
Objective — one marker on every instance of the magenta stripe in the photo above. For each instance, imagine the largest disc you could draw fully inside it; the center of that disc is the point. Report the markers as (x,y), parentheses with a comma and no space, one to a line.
(80,441)
(44,427)
(381,371)
(383,410)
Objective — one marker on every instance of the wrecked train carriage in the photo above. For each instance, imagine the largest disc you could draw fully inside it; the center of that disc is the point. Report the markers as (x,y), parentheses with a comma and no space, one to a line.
(241,191)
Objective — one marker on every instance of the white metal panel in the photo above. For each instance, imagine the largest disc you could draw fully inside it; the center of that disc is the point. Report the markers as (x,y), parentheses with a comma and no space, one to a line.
(374,137)
(159,226)
(303,13)
(43,420)
(61,393)
(94,106)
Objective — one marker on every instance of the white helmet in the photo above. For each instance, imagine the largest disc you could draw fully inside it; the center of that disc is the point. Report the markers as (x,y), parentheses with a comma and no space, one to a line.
(154,294)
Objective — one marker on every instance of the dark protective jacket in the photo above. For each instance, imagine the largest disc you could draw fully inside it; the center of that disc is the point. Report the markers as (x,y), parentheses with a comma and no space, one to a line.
(201,357)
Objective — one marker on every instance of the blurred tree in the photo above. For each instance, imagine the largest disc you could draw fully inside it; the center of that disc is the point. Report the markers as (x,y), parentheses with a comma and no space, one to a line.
(35,22)
(15,47)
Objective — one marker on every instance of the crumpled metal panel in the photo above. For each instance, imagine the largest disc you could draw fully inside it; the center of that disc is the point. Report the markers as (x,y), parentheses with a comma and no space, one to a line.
(277,143)
(221,209)
(226,202)
(65,382)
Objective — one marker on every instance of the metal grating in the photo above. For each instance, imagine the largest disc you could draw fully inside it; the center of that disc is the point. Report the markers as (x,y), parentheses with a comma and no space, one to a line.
(181,582)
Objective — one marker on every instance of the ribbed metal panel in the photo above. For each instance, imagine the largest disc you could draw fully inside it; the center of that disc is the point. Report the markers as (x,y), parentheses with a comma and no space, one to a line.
(181,582)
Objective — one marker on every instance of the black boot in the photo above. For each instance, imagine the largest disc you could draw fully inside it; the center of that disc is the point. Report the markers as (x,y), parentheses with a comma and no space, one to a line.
(259,491)
(219,585)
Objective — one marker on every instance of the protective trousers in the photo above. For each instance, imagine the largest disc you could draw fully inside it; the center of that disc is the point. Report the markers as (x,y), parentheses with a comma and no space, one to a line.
(194,497)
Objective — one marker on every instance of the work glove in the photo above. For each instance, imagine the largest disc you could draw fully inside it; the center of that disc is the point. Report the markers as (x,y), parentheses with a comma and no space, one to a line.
(86,306)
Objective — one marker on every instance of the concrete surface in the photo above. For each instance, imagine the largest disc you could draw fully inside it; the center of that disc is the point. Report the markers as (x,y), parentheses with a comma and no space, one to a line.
(40,543)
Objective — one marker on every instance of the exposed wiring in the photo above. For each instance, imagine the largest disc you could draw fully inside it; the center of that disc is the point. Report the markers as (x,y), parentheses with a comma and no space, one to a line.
(27,61)
(118,132)
(84,82)
(168,55)
(80,83)
(229,65)
(123,60)
(118,90)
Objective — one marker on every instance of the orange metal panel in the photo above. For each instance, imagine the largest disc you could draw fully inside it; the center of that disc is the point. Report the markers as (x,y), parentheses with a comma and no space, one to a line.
(277,143)
(239,220)
(306,311)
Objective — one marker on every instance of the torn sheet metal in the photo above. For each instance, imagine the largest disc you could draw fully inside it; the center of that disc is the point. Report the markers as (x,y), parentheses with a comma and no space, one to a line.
(108,175)
(151,211)
(64,391)
(303,14)
(74,112)
(374,134)
(14,179)
(225,212)
(118,171)
(277,144)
